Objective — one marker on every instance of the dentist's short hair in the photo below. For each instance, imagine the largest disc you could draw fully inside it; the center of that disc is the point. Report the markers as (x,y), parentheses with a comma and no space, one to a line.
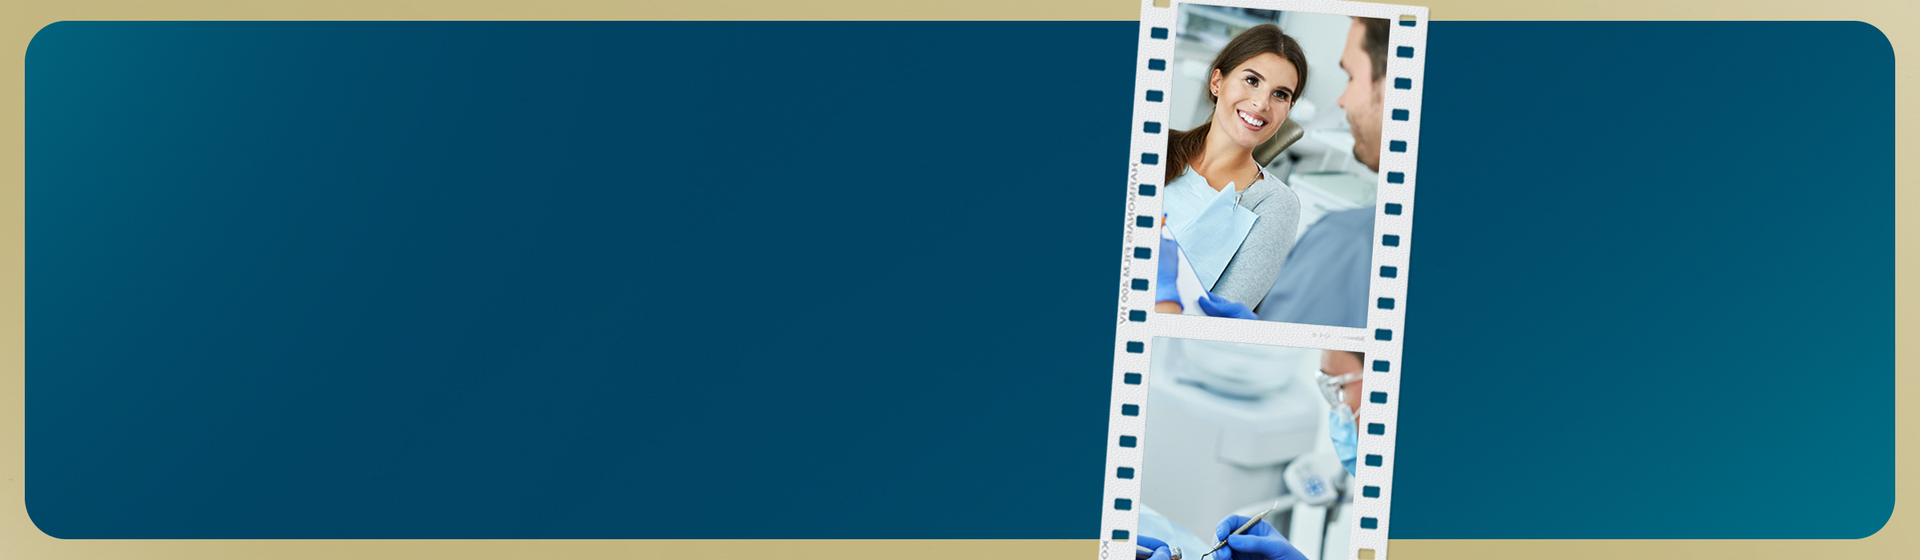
(1374,42)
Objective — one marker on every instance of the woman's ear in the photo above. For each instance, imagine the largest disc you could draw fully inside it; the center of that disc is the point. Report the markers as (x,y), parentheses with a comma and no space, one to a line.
(1213,83)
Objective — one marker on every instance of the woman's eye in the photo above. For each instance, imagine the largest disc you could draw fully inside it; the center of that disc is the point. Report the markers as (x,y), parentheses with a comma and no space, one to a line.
(1252,81)
(1281,95)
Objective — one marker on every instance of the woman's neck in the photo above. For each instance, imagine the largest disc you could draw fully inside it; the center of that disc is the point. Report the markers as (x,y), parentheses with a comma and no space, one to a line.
(1224,161)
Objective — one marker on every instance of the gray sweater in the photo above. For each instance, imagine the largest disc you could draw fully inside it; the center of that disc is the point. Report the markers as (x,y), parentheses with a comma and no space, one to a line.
(1256,264)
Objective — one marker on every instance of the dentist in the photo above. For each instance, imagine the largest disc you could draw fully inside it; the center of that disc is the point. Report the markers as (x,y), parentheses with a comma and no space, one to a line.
(1365,61)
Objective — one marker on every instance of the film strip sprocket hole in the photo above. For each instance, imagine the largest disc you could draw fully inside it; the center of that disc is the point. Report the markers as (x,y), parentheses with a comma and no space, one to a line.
(1381,338)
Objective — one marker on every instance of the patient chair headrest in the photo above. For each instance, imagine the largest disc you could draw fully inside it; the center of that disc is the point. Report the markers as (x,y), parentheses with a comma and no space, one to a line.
(1289,133)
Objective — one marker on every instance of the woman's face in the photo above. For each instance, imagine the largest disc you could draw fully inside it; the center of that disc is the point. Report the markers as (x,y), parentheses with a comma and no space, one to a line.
(1254,98)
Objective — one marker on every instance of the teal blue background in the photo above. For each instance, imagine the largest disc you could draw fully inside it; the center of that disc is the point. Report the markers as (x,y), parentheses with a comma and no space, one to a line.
(1651,293)
(630,280)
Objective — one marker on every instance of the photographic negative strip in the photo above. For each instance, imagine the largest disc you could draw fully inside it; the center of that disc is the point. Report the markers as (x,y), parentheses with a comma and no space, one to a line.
(1268,228)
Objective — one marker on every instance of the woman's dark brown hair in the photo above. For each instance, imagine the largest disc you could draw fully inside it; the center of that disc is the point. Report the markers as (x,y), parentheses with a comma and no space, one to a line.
(1184,145)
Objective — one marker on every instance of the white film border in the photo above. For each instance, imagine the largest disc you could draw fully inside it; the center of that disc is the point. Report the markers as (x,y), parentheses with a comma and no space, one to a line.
(1380,341)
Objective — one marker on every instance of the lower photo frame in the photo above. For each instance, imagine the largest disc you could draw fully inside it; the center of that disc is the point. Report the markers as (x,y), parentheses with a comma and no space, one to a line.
(1263,280)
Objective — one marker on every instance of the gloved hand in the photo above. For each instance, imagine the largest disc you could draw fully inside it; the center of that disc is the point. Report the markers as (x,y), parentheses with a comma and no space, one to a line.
(1260,542)
(1167,285)
(1160,549)
(1216,306)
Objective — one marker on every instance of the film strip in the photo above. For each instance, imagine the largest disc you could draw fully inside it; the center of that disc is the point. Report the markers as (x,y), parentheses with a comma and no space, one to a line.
(1379,340)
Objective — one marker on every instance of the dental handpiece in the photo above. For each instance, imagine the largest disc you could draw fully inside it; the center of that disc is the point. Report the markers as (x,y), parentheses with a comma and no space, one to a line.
(1141,552)
(1243,528)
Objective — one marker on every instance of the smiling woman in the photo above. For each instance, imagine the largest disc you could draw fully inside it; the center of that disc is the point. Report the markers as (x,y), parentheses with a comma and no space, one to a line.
(1233,222)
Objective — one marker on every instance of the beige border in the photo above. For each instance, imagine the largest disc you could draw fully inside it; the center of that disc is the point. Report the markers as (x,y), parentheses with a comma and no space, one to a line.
(20,20)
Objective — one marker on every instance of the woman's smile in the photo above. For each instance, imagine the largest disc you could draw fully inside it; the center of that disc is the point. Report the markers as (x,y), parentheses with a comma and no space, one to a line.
(1253,122)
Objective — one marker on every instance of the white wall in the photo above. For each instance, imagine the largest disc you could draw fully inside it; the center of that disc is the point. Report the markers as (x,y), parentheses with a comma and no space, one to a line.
(1322,37)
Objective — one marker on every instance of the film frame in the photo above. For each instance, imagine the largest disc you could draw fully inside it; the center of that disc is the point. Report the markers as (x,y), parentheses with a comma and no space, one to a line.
(1380,340)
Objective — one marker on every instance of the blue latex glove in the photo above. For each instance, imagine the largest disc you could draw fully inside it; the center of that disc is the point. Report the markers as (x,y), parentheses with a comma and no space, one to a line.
(1216,306)
(1160,549)
(1167,286)
(1260,542)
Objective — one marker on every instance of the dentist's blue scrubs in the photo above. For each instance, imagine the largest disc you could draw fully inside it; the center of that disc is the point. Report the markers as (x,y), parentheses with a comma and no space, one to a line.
(1325,278)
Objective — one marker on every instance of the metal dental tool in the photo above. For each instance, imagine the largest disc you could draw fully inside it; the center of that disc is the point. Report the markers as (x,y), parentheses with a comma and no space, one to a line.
(1243,528)
(1140,552)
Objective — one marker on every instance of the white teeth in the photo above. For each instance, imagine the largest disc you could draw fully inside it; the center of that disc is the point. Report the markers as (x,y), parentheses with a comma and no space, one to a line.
(1252,121)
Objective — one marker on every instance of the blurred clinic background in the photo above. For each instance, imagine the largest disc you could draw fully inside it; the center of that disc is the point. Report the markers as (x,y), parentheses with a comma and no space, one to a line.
(1319,167)
(1233,429)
